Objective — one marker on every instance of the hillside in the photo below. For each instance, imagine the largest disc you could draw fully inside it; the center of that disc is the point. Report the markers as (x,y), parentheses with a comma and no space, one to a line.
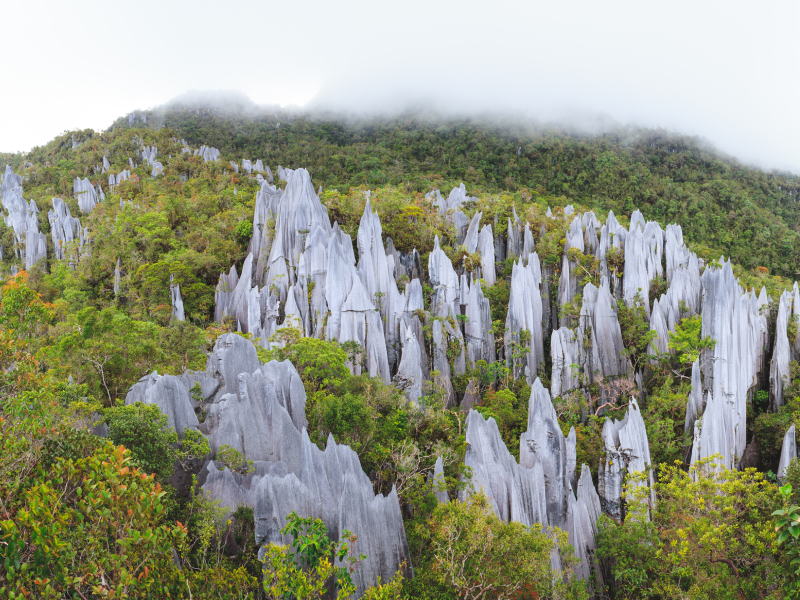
(512,360)
(741,212)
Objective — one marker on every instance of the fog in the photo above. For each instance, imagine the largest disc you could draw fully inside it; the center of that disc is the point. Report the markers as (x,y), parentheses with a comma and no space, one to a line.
(725,71)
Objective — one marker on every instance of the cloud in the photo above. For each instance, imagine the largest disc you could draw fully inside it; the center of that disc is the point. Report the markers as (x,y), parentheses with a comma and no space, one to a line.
(721,70)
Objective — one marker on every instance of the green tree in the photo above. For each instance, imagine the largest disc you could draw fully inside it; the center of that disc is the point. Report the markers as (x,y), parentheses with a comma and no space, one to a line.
(92,527)
(306,568)
(711,535)
(144,430)
(470,553)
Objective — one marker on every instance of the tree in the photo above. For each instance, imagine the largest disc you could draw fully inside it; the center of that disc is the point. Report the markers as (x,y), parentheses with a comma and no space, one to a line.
(471,552)
(23,311)
(143,429)
(92,527)
(307,568)
(711,535)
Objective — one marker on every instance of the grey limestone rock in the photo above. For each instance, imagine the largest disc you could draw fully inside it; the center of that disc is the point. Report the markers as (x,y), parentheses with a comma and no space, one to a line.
(477,329)
(472,396)
(208,385)
(544,445)
(327,484)
(565,350)
(35,242)
(572,461)
(660,343)
(712,435)
(486,248)
(600,324)
(627,451)
(779,366)
(445,282)
(232,355)
(730,368)
(409,373)
(788,452)
(441,365)
(64,228)
(514,492)
(437,482)
(177,301)
(470,242)
(694,405)
(85,193)
(169,394)
(525,313)
(636,280)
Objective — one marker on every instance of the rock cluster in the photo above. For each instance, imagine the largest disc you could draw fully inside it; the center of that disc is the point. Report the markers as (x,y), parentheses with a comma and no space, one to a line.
(259,410)
(64,229)
(542,488)
(30,244)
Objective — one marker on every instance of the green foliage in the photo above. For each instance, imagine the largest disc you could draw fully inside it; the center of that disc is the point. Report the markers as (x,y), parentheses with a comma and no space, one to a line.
(312,562)
(321,364)
(144,430)
(787,525)
(109,351)
(23,311)
(686,341)
(710,535)
(91,527)
(71,444)
(664,414)
(636,332)
(769,428)
(234,460)
(510,413)
(206,522)
(243,232)
(194,446)
(470,553)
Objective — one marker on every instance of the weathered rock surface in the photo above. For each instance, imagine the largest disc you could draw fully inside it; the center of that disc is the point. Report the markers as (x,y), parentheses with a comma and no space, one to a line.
(788,452)
(627,451)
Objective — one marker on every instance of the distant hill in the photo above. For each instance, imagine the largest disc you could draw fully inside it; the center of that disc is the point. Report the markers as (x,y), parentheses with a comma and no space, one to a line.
(743,212)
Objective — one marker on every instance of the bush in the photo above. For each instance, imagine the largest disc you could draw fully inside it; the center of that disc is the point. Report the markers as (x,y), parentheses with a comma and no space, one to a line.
(321,364)
(470,553)
(93,527)
(145,431)
(311,564)
(711,536)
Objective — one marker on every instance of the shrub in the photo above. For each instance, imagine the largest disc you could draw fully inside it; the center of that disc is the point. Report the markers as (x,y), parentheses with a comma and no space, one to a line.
(92,528)
(144,430)
(305,569)
(471,553)
(711,535)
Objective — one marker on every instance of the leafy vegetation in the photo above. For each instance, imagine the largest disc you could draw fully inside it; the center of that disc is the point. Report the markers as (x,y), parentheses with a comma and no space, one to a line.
(85,517)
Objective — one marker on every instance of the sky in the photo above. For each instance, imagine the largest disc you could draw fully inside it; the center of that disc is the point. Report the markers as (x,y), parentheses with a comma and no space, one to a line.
(726,71)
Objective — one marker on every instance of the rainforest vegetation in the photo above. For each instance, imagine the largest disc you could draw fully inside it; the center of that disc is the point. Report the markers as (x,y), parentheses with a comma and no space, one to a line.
(84,515)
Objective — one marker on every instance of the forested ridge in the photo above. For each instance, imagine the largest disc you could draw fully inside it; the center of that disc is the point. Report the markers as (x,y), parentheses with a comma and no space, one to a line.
(742,212)
(555,429)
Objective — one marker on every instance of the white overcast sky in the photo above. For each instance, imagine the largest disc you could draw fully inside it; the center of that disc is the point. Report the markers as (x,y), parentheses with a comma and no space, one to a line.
(727,71)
